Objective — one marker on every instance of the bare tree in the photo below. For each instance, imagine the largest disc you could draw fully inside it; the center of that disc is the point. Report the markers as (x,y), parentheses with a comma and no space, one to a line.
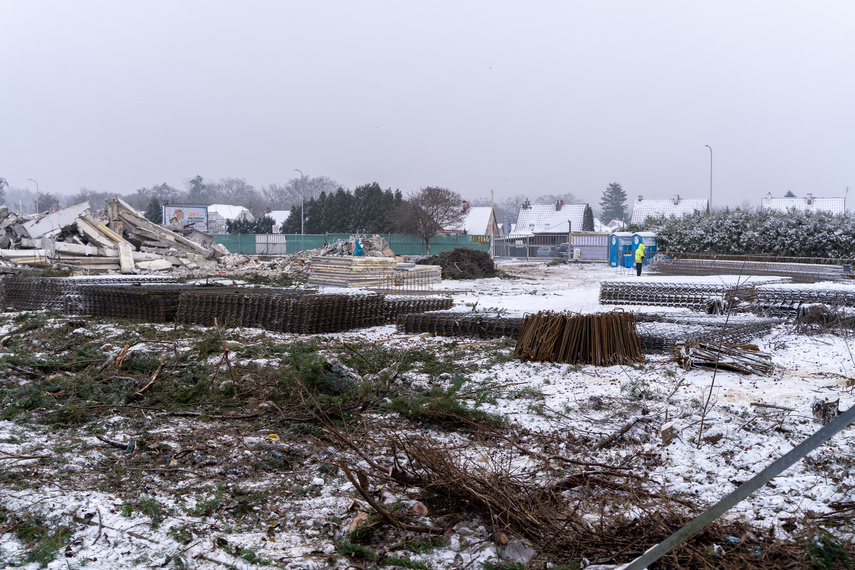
(3,186)
(45,201)
(97,200)
(296,191)
(430,211)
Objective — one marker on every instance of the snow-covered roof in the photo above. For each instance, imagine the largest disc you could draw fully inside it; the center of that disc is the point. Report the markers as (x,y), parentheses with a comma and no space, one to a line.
(477,221)
(833,205)
(545,219)
(676,206)
(279,216)
(229,212)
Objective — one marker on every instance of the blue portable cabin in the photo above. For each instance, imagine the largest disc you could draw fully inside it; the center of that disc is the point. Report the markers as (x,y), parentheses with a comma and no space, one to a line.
(620,245)
(649,240)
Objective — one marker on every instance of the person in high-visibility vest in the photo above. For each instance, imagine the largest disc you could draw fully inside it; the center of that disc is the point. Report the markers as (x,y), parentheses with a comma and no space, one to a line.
(639,259)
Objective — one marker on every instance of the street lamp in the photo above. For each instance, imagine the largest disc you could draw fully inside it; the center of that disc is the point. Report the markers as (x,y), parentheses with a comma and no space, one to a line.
(302,197)
(38,206)
(710,204)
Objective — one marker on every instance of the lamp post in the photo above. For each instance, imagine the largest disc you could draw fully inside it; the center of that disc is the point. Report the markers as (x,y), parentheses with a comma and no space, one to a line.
(710,204)
(38,205)
(302,198)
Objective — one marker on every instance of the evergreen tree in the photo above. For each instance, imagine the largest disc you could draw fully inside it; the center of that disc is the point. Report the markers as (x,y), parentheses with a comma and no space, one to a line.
(154,211)
(588,219)
(613,203)
(789,194)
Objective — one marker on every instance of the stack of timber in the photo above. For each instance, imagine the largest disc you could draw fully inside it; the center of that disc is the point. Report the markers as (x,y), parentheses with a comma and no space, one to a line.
(600,339)
(121,240)
(364,272)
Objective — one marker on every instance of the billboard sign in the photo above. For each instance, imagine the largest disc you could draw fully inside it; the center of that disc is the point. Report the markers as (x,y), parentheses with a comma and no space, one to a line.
(186,216)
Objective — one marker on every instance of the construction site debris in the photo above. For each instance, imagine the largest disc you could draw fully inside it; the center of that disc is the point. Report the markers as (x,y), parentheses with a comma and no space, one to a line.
(741,358)
(462,263)
(599,339)
(121,240)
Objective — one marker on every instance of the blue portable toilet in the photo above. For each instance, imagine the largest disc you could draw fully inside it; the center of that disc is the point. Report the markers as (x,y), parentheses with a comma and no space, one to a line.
(620,245)
(649,240)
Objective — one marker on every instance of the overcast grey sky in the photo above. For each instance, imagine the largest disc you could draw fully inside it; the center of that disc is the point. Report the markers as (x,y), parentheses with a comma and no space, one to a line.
(519,97)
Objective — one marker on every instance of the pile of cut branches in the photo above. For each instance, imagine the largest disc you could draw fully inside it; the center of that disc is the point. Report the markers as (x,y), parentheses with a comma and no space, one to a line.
(604,515)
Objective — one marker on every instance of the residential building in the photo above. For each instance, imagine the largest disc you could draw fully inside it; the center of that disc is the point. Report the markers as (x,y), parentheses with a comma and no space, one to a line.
(676,206)
(808,203)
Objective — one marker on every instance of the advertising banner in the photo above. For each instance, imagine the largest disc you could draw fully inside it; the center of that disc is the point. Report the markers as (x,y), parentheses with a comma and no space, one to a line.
(184,216)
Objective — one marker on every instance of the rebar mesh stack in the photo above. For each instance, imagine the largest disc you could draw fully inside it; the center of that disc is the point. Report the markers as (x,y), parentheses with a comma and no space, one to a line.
(155,304)
(599,339)
(664,335)
(785,300)
(396,307)
(60,293)
(693,296)
(797,272)
(469,325)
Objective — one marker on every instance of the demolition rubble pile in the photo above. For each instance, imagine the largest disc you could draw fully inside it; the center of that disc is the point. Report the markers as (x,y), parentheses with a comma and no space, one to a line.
(120,239)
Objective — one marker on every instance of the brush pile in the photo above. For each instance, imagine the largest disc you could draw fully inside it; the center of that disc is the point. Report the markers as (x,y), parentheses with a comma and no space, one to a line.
(463,263)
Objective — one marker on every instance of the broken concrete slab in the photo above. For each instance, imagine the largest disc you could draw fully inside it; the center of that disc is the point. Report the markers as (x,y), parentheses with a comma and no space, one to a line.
(56,221)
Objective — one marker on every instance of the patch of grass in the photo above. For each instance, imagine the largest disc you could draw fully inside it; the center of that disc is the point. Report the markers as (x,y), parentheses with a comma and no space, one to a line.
(442,406)
(502,565)
(152,509)
(405,563)
(209,506)
(48,539)
(251,556)
(423,545)
(180,534)
(355,551)
(825,552)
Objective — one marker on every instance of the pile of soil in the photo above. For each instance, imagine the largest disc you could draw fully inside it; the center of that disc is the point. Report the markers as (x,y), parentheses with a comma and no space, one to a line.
(463,263)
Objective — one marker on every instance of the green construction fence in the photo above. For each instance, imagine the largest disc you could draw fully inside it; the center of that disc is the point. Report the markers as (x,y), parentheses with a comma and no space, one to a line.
(399,244)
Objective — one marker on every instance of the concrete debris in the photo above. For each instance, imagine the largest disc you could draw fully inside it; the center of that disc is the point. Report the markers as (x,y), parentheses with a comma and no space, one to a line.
(118,239)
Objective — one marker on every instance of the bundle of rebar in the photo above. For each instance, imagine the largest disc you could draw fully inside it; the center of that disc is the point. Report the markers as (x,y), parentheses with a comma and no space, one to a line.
(798,272)
(469,325)
(695,296)
(744,359)
(599,339)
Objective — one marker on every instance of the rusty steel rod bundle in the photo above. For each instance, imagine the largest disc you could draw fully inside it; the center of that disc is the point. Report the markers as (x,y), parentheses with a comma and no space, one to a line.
(600,339)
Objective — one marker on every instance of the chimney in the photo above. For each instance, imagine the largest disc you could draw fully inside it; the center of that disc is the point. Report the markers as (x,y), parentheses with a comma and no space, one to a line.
(526,205)
(558,205)
(676,199)
(809,199)
(465,206)
(640,197)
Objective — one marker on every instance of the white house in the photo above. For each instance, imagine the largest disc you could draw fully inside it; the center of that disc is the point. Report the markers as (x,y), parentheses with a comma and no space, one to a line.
(219,214)
(676,206)
(548,219)
(808,203)
(279,217)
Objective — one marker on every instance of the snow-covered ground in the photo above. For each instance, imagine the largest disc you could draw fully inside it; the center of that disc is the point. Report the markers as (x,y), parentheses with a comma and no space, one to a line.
(301,525)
